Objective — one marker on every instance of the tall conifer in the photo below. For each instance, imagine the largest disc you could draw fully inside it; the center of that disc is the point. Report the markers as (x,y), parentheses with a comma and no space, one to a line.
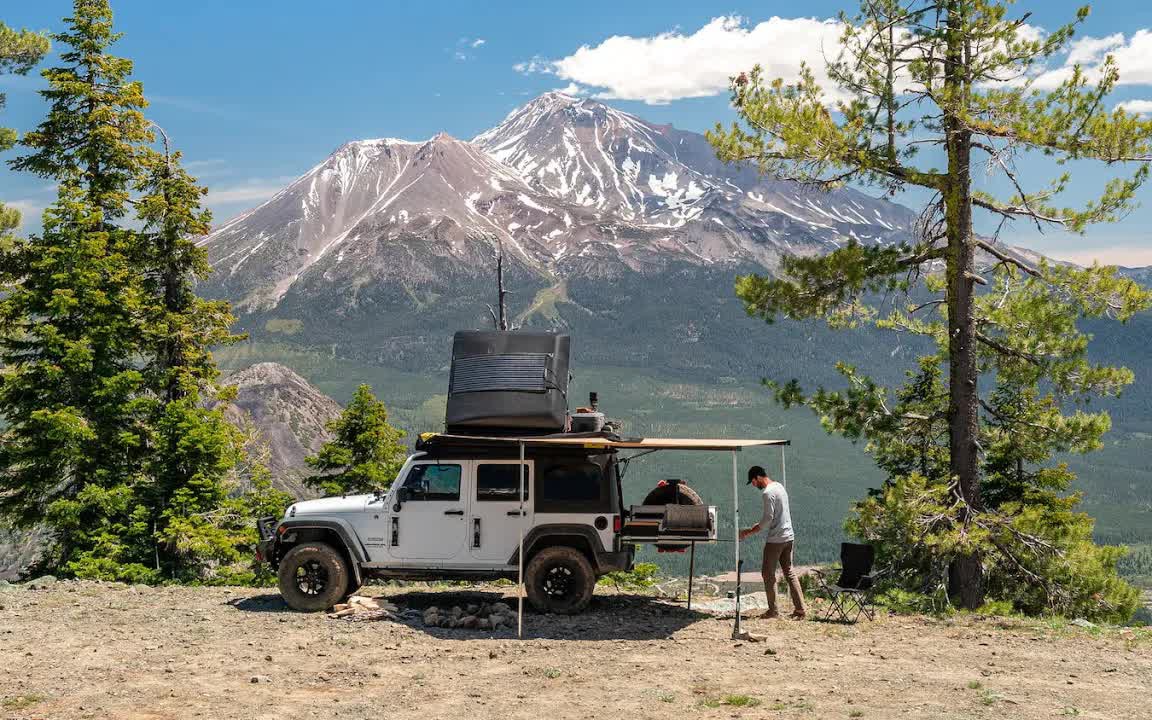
(957,80)
(69,324)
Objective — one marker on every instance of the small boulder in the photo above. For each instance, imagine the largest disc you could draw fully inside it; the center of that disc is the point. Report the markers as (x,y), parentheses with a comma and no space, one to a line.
(483,624)
(501,607)
(468,622)
(42,583)
(364,602)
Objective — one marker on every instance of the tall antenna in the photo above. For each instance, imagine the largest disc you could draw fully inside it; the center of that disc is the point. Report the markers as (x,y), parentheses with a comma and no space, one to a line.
(500,321)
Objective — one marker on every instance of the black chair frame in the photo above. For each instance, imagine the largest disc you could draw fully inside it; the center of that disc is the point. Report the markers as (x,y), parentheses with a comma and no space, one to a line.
(850,596)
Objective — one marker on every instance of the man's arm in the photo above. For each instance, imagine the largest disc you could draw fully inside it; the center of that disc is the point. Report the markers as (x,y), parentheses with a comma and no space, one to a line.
(765,520)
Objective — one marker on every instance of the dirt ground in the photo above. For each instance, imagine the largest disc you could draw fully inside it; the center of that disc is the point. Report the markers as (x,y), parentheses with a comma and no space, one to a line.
(82,650)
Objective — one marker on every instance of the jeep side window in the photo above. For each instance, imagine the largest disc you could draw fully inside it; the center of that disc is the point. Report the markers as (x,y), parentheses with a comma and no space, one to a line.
(572,483)
(433,482)
(498,482)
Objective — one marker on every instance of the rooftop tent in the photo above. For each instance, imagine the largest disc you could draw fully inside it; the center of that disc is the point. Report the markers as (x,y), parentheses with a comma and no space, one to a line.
(508,381)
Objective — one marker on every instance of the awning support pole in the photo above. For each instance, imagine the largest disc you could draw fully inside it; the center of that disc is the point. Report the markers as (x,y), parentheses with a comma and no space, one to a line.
(691,573)
(736,533)
(520,555)
(783,469)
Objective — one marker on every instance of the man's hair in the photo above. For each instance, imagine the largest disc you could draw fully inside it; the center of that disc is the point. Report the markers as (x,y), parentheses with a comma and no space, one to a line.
(756,471)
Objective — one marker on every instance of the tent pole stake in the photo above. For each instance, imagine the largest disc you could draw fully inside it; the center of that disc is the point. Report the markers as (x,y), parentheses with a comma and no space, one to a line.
(691,573)
(736,531)
(520,556)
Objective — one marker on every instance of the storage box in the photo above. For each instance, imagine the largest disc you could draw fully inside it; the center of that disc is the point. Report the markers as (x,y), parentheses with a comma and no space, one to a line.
(508,382)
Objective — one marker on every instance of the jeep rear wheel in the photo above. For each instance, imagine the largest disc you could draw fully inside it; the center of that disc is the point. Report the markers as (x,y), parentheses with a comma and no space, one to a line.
(313,577)
(560,580)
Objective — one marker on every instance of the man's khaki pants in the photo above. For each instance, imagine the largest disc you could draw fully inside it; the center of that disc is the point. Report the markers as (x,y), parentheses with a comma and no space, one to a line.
(781,553)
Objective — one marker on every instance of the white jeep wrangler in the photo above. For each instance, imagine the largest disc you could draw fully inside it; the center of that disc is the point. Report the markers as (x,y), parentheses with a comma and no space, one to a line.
(454,513)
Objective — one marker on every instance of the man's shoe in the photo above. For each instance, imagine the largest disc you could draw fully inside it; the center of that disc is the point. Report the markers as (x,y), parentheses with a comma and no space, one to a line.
(770,615)
(798,615)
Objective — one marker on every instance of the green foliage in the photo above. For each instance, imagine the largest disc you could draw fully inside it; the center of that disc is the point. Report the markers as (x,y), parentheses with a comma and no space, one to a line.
(970,479)
(1039,555)
(366,453)
(642,576)
(20,51)
(110,440)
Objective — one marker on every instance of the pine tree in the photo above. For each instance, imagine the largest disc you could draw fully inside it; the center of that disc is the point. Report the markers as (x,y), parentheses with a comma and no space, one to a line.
(366,452)
(956,77)
(195,449)
(72,392)
(20,51)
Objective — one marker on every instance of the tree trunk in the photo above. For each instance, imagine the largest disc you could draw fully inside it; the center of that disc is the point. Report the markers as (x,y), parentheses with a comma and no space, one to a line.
(965,576)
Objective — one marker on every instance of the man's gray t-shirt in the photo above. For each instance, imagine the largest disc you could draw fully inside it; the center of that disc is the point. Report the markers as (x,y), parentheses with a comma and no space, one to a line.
(776,523)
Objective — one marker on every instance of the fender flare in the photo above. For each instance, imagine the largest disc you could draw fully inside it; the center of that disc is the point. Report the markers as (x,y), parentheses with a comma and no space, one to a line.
(343,530)
(542,532)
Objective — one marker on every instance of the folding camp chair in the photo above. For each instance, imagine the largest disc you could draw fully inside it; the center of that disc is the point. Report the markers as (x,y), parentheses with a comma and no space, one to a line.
(851,594)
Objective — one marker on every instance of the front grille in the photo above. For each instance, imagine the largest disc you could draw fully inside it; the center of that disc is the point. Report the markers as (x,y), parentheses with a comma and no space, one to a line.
(266,527)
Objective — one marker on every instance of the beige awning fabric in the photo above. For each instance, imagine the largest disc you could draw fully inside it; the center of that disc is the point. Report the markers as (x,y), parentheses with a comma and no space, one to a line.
(595,443)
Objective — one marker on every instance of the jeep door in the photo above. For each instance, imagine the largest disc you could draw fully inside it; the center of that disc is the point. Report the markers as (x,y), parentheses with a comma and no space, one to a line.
(430,522)
(494,519)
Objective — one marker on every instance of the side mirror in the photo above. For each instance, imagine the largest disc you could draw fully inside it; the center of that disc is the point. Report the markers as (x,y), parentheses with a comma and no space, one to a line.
(403,495)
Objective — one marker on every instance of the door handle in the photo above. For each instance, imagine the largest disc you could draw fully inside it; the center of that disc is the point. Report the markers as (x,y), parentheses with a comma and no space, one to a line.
(476,532)
(453,512)
(515,513)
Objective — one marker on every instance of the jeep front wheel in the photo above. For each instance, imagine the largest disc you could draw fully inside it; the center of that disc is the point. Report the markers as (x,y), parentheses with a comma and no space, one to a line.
(313,577)
(560,580)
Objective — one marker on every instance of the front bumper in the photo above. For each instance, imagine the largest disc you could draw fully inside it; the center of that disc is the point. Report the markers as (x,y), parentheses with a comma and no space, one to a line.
(266,545)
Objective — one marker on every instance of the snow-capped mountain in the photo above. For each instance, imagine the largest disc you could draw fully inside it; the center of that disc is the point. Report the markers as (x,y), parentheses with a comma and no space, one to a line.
(599,157)
(568,186)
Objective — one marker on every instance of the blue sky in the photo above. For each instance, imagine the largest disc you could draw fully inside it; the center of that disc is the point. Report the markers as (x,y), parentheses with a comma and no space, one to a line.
(256,92)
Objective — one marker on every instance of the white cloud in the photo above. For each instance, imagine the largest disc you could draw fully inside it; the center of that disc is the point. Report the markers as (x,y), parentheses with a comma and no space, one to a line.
(1091,50)
(1139,107)
(672,65)
(253,191)
(572,89)
(478,42)
(1133,56)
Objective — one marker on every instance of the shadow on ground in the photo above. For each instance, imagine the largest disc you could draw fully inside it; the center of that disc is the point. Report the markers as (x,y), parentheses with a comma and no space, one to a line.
(270,603)
(609,617)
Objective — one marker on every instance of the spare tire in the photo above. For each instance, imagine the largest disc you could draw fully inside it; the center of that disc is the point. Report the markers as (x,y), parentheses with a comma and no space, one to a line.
(672,492)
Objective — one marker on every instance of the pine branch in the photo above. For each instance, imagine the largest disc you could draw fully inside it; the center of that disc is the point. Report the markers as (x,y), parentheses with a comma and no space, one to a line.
(1008,259)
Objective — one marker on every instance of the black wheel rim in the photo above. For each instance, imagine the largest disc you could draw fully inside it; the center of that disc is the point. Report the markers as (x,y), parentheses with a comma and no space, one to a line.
(311,577)
(559,582)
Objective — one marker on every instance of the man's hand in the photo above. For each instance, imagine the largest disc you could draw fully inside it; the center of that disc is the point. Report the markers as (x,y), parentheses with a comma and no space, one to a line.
(749,531)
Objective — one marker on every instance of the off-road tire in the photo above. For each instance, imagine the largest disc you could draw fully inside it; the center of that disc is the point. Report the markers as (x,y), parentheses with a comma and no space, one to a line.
(673,495)
(560,580)
(313,576)
(679,494)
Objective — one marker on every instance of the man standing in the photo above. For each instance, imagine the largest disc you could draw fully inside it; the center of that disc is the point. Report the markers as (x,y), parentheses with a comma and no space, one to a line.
(776,523)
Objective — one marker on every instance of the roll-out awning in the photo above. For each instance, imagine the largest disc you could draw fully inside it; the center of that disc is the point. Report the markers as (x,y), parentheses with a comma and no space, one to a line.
(594,442)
